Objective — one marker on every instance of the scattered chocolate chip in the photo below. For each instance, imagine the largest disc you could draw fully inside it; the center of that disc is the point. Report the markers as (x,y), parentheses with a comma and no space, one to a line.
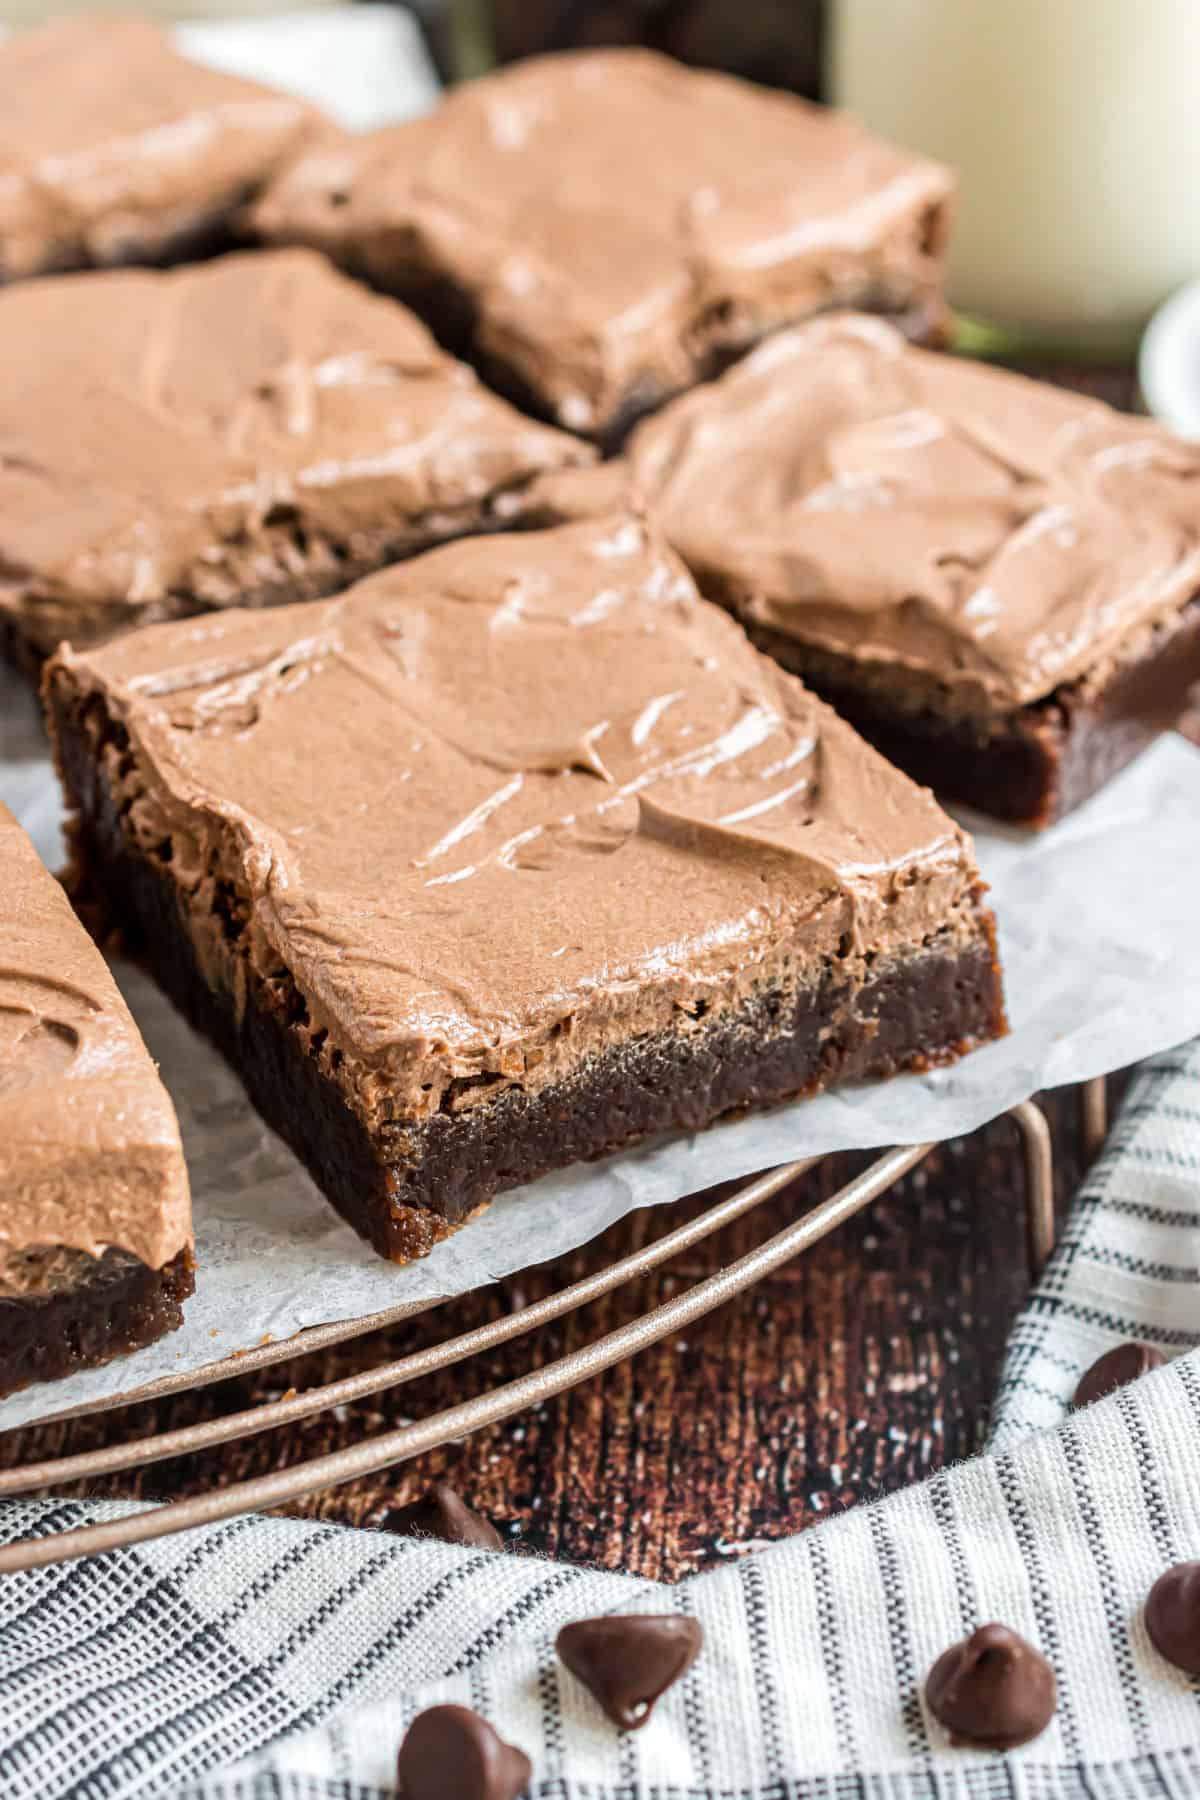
(1114,1370)
(993,1690)
(629,1662)
(441,1514)
(1173,1616)
(450,1753)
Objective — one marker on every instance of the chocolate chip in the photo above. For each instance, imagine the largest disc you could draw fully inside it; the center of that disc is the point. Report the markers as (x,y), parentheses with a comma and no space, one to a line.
(993,1690)
(630,1662)
(1173,1616)
(450,1753)
(1114,1369)
(441,1514)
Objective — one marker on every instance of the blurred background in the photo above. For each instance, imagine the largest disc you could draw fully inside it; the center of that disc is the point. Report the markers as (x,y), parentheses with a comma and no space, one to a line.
(1073,125)
(774,41)
(777,41)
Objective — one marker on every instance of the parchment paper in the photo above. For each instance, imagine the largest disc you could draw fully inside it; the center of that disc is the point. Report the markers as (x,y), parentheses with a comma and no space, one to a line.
(1098,926)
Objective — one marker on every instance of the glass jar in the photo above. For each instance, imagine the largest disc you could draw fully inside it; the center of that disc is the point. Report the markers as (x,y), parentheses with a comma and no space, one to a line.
(1075,128)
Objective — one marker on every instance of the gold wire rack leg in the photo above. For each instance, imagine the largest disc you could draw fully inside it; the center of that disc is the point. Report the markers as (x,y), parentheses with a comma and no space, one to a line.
(1093,1116)
(491,1407)
(1038,1147)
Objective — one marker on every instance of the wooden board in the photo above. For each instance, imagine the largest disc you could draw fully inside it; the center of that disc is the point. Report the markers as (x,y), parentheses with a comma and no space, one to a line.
(866,1364)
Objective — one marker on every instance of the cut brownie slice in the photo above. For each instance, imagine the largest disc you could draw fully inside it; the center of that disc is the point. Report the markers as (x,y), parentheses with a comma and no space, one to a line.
(998,582)
(95,1222)
(510,856)
(250,430)
(115,149)
(602,229)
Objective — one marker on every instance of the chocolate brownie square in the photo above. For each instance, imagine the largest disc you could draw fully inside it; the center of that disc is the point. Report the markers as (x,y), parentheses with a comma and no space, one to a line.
(95,1219)
(508,857)
(599,230)
(996,581)
(115,149)
(249,430)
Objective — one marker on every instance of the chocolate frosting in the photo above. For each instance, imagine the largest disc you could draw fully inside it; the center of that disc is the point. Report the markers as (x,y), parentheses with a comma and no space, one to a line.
(509,803)
(611,216)
(255,426)
(90,1155)
(975,535)
(111,144)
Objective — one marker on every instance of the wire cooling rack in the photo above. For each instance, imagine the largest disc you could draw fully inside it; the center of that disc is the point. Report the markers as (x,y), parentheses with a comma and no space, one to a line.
(497,1403)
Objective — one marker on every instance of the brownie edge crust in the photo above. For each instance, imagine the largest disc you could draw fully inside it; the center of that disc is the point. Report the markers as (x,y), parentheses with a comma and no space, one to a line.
(1034,765)
(114,1306)
(405,1187)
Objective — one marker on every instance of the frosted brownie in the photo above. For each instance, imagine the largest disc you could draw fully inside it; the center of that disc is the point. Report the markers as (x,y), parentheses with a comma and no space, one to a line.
(603,229)
(998,582)
(507,857)
(115,149)
(95,1221)
(249,430)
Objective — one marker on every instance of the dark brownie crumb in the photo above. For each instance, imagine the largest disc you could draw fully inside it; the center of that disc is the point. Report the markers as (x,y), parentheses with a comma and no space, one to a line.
(117,1306)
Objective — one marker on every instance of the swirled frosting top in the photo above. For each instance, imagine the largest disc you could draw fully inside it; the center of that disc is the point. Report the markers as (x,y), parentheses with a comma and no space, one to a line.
(245,427)
(90,1155)
(513,800)
(609,213)
(111,143)
(992,536)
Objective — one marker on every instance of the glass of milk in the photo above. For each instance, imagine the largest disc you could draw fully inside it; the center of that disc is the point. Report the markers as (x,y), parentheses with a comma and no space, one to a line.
(1075,128)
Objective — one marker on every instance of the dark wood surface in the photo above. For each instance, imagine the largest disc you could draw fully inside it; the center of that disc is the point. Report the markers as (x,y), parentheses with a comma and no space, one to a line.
(866,1364)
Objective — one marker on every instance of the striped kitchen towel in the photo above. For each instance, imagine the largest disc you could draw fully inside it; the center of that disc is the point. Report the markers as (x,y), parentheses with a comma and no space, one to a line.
(275,1660)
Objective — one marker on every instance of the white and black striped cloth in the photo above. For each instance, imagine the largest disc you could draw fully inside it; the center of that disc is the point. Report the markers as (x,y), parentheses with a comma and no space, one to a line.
(267,1660)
